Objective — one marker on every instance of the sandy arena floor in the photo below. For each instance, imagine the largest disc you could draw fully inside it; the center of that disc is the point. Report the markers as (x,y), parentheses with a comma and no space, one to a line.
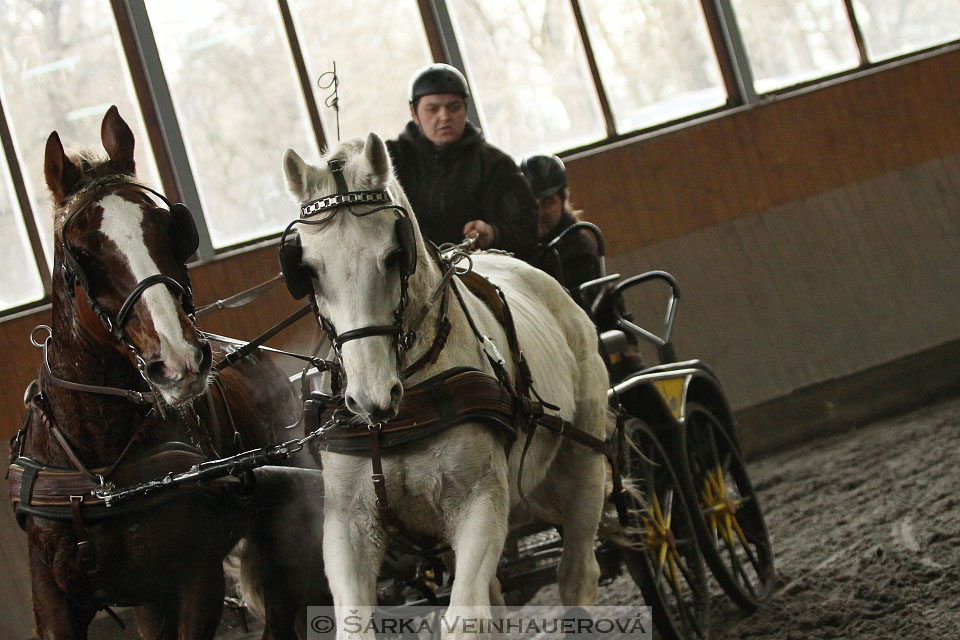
(866,528)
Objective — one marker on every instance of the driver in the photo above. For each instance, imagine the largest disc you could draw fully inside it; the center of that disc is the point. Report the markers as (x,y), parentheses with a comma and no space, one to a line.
(458,184)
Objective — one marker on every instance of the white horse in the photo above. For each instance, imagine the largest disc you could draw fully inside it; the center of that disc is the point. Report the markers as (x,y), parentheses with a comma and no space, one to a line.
(459,485)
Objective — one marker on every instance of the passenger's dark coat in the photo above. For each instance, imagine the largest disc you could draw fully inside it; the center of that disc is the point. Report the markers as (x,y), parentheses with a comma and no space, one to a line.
(574,260)
(467,180)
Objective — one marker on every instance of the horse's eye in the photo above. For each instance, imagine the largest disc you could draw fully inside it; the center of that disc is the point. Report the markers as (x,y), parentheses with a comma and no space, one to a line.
(83,257)
(392,259)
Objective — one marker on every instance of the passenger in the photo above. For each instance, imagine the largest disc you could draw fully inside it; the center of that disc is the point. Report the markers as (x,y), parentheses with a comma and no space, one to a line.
(458,184)
(575,259)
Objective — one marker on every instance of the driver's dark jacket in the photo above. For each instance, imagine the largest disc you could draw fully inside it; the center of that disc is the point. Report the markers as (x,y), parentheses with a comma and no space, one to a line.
(466,180)
(574,260)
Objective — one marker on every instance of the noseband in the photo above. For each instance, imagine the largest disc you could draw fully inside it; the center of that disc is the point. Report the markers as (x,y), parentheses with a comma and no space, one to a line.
(75,275)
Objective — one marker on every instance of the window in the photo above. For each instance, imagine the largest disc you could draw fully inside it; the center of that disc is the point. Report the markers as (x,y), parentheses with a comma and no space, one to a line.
(15,254)
(793,41)
(655,59)
(377,47)
(239,105)
(61,68)
(528,72)
(893,27)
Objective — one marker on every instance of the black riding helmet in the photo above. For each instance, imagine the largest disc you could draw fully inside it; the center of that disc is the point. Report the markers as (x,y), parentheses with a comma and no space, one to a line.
(546,175)
(437,78)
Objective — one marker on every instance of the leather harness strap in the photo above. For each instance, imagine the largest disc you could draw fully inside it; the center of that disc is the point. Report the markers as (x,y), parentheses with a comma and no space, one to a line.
(433,405)
(389,520)
(59,493)
(87,560)
(32,484)
(439,340)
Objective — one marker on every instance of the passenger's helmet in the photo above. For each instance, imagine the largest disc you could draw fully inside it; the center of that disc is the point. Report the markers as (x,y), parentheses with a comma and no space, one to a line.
(437,78)
(546,175)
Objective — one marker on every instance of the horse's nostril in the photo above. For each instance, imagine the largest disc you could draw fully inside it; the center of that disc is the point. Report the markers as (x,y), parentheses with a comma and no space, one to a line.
(381,415)
(157,371)
(204,356)
(370,411)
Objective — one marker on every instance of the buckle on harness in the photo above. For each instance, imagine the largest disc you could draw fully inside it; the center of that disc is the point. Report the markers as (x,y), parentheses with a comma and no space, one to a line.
(491,351)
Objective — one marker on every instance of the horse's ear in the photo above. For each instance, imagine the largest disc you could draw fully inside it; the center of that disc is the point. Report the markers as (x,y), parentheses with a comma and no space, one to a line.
(375,152)
(117,139)
(61,174)
(295,170)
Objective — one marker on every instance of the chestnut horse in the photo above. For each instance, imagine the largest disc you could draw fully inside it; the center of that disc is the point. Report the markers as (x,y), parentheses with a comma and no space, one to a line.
(126,395)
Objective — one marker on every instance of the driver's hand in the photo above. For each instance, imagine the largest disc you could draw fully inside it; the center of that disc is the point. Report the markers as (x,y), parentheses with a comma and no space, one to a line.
(481,231)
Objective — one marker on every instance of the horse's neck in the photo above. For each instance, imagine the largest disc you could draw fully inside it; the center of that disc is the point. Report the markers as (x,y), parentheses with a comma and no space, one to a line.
(77,356)
(462,345)
(97,426)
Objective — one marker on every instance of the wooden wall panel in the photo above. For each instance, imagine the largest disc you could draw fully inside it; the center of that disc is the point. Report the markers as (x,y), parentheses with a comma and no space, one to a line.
(220,279)
(819,288)
(21,364)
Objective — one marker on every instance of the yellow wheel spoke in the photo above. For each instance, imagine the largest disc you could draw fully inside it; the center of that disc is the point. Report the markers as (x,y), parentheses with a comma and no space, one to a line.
(674,577)
(716,481)
(657,512)
(727,530)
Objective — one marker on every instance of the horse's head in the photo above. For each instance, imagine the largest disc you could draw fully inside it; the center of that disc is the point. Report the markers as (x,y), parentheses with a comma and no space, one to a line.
(357,247)
(122,257)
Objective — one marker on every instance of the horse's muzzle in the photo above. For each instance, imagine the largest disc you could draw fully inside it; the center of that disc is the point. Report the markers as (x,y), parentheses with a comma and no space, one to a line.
(372,410)
(183,382)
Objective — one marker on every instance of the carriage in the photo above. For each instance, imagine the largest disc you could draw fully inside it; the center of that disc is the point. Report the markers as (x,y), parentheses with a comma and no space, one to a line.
(680,493)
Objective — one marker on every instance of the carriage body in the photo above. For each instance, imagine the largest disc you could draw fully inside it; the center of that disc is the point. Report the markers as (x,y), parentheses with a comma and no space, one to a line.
(661,396)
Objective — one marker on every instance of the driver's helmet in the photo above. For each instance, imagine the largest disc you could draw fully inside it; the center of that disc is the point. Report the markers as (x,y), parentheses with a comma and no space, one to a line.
(546,175)
(437,78)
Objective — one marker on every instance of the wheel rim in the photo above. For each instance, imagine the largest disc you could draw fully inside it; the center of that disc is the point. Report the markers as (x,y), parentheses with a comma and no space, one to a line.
(670,555)
(734,521)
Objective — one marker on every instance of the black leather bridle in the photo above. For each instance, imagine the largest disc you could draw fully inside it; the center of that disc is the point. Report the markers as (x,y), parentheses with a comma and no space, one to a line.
(74,273)
(330,205)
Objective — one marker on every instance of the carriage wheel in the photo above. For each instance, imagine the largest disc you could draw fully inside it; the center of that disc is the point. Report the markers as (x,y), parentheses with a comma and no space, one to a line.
(732,530)
(666,562)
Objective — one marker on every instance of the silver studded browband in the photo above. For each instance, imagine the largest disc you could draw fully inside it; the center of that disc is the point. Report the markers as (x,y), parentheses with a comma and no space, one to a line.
(340,199)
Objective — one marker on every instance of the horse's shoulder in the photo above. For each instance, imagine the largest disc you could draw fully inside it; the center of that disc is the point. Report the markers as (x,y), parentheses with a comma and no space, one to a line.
(516,277)
(502,266)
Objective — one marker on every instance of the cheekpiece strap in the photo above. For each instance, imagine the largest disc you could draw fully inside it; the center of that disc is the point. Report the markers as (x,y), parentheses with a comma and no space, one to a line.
(336,167)
(330,202)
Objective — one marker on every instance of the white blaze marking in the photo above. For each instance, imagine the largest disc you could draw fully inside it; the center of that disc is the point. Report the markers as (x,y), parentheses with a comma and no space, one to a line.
(122,224)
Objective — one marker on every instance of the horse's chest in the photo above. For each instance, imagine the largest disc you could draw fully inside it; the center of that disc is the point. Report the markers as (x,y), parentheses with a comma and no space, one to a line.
(426,480)
(134,558)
